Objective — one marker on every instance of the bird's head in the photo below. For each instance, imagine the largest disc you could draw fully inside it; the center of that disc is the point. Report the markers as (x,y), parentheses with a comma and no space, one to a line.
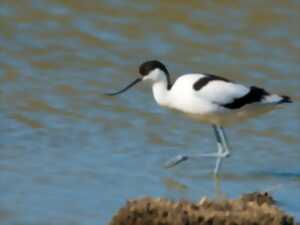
(152,71)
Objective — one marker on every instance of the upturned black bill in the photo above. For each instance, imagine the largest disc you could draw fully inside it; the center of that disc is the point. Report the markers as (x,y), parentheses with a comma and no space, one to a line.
(125,88)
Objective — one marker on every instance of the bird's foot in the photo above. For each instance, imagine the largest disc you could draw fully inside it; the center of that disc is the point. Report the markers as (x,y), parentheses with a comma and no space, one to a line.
(226,154)
(176,160)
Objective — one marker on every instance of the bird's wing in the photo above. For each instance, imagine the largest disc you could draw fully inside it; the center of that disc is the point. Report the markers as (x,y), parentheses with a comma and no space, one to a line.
(227,94)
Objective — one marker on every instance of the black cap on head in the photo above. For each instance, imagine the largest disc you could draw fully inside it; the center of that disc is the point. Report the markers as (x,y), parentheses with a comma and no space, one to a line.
(145,69)
(148,66)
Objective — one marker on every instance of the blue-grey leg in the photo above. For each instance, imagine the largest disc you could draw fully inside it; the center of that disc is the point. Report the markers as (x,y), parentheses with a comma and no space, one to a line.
(224,141)
(223,151)
(220,149)
(181,158)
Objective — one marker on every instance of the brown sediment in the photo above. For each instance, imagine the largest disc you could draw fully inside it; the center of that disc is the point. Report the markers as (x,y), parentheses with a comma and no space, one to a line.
(251,209)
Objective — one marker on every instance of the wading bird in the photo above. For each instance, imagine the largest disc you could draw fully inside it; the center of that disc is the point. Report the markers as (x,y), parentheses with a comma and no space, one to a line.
(207,98)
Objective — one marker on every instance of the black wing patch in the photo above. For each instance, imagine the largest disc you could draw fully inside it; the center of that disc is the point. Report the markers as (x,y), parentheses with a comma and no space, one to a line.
(255,94)
(202,82)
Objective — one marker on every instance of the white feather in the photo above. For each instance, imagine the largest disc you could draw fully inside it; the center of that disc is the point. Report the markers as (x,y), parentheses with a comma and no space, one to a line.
(222,92)
(272,99)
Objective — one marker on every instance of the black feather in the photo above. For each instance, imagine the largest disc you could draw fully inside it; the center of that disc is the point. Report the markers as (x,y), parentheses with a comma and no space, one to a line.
(285,99)
(255,94)
(202,82)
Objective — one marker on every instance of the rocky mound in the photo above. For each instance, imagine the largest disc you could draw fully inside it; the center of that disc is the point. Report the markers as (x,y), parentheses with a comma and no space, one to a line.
(250,209)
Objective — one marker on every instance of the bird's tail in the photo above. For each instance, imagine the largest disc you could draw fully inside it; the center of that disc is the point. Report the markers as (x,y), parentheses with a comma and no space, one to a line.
(277,99)
(285,99)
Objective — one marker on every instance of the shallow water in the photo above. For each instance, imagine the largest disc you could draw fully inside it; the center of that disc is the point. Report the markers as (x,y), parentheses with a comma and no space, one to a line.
(69,155)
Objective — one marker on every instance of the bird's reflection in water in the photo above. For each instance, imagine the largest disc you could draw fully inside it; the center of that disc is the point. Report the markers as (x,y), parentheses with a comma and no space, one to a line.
(172,184)
(218,193)
(176,185)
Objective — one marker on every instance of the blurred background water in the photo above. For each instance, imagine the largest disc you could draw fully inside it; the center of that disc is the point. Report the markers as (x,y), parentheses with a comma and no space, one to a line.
(69,155)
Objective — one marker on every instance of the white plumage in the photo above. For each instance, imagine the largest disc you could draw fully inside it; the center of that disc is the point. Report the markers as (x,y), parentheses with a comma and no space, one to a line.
(207,98)
(207,104)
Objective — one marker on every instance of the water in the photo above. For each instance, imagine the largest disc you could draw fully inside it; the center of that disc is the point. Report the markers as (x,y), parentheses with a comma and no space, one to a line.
(69,155)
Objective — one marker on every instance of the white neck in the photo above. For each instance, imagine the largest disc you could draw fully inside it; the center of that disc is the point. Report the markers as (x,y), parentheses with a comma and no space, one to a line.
(160,92)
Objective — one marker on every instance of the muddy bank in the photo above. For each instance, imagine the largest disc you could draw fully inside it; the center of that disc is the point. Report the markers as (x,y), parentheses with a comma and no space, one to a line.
(250,209)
